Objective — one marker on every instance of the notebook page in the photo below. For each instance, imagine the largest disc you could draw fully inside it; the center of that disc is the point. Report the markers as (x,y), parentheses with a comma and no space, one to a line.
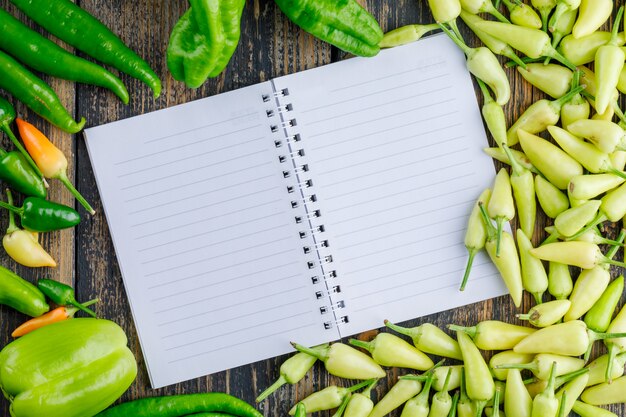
(205,234)
(394,144)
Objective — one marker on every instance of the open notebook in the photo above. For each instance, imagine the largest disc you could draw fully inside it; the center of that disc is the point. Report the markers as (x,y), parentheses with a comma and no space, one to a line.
(306,208)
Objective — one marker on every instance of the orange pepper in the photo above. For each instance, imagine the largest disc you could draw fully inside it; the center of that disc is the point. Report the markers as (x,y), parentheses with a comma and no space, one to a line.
(52,316)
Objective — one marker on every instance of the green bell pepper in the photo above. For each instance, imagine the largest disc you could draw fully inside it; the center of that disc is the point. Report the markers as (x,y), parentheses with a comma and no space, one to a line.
(73,368)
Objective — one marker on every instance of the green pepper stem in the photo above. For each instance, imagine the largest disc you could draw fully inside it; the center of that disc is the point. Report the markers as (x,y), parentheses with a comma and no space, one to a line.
(594,336)
(362,344)
(480,406)
(73,310)
(447,381)
(12,226)
(554,236)
(368,388)
(538,296)
(617,172)
(62,176)
(399,329)
(84,309)
(277,384)
(616,244)
(486,95)
(12,208)
(613,349)
(615,31)
(23,151)
(491,230)
(523,316)
(563,404)
(529,366)
(516,59)
(553,53)
(320,353)
(567,97)
(466,49)
(343,406)
(606,260)
(360,385)
(471,331)
(468,268)
(601,217)
(496,13)
(456,30)
(517,168)
(618,111)
(500,225)
(414,377)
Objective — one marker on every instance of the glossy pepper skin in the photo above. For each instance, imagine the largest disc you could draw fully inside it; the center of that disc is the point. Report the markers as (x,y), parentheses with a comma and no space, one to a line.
(204,40)
(342,23)
(40,215)
(17,172)
(70,23)
(72,368)
(61,294)
(182,405)
(291,371)
(45,56)
(36,94)
(21,295)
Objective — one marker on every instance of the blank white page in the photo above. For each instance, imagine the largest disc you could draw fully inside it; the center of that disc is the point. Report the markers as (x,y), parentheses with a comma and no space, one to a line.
(394,144)
(205,235)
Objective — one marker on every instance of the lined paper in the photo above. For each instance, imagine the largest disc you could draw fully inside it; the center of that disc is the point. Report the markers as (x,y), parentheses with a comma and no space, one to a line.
(205,234)
(396,153)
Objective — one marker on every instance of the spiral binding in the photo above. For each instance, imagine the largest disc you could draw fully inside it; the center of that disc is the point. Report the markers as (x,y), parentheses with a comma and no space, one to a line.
(292,157)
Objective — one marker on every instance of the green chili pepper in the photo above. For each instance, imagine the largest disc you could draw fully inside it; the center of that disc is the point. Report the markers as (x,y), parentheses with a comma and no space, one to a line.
(615,345)
(389,350)
(508,263)
(7,116)
(442,401)
(344,361)
(599,317)
(533,43)
(300,410)
(494,115)
(475,235)
(360,403)
(541,365)
(45,56)
(586,410)
(35,93)
(406,34)
(177,405)
(401,392)
(291,371)
(589,79)
(21,295)
(344,24)
(61,294)
(539,116)
(613,208)
(534,276)
(72,368)
(552,79)
(39,215)
(494,44)
(16,172)
(592,14)
(517,400)
(552,201)
(583,50)
(522,15)
(545,8)
(569,222)
(498,154)
(441,377)
(494,335)
(546,314)
(204,40)
(70,23)
(598,368)
(557,166)
(560,283)
(606,135)
(475,7)
(480,386)
(546,404)
(584,187)
(418,406)
(571,338)
(430,339)
(501,207)
(609,62)
(328,398)
(506,357)
(465,407)
(606,393)
(581,254)
(484,65)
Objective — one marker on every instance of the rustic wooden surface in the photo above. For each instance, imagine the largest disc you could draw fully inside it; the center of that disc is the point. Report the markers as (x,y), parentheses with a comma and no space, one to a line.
(270,46)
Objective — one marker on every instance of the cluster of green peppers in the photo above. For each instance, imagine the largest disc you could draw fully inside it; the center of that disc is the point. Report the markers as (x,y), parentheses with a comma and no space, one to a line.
(21,46)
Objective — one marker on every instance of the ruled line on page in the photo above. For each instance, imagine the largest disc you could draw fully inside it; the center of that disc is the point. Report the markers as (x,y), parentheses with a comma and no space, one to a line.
(173,148)
(376,80)
(327,105)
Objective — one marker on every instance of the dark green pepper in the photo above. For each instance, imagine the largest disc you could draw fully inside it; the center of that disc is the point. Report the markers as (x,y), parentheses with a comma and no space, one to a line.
(21,295)
(40,215)
(16,171)
(204,40)
(61,294)
(342,23)
(35,93)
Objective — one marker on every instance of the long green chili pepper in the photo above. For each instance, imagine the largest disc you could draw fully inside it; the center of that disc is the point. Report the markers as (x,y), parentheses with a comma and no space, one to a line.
(498,154)
(552,79)
(40,215)
(598,369)
(546,314)
(506,357)
(328,398)
(344,361)
(401,392)
(560,282)
(430,339)
(496,45)
(517,400)
(475,235)
(606,393)
(585,187)
(541,365)
(586,410)
(583,50)
(389,350)
(291,371)
(569,222)
(501,207)
(608,66)
(406,34)
(45,56)
(598,318)
(534,275)
(508,263)
(484,65)
(35,93)
(21,295)
(16,172)
(552,200)
(494,335)
(605,135)
(180,405)
(479,382)
(344,24)
(70,23)
(592,14)
(61,294)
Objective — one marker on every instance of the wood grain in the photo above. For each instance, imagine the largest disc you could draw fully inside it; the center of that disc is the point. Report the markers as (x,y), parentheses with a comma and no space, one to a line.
(270,46)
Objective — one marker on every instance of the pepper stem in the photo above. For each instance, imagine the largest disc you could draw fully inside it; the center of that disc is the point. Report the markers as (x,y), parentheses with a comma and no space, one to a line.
(447,381)
(516,59)
(615,31)
(362,344)
(470,331)
(500,224)
(538,297)
(616,244)
(613,349)
(456,30)
(479,406)
(491,231)
(496,13)
(23,151)
(600,217)
(12,226)
(468,268)
(567,97)
(459,42)
(529,366)
(617,172)
(553,53)
(63,178)
(84,309)
(368,388)
(362,384)
(554,236)
(402,330)
(277,384)
(73,310)
(486,95)
(517,168)
(343,406)
(320,353)
(12,208)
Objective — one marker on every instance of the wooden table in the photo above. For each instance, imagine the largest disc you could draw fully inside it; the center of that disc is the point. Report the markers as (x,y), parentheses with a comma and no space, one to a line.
(270,46)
